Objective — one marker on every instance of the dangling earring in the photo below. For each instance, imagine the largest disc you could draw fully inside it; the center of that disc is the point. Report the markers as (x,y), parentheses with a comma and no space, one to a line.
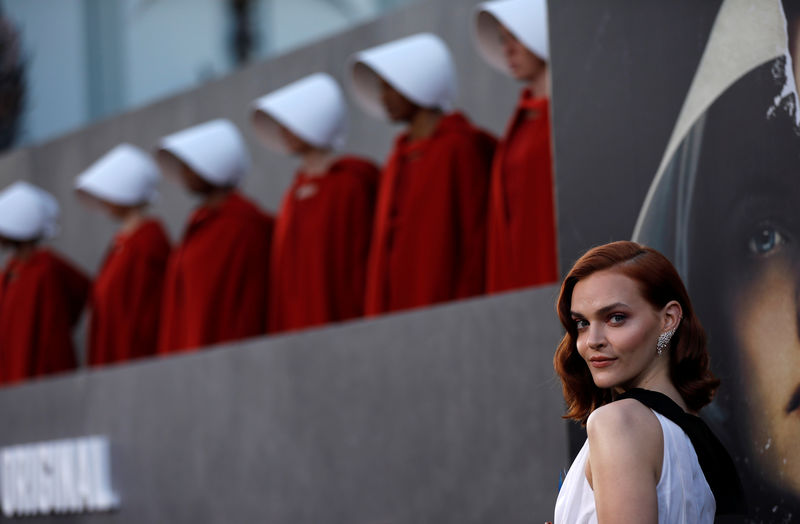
(663,341)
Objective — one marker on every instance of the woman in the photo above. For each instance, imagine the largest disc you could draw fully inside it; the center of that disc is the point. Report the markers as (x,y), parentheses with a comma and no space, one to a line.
(126,295)
(322,232)
(635,369)
(215,288)
(41,294)
(429,234)
(521,221)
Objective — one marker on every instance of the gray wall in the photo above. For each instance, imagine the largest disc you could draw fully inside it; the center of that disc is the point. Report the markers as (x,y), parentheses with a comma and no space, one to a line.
(450,414)
(487,96)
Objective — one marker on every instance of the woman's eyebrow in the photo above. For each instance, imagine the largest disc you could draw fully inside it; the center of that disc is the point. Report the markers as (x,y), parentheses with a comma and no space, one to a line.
(603,310)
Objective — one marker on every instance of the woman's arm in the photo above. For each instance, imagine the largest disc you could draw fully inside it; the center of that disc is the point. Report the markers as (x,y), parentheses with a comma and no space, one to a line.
(626,450)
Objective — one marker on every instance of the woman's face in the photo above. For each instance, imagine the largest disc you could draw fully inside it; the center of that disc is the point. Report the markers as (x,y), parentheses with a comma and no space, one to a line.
(745,235)
(398,107)
(617,331)
(294,143)
(115,211)
(763,311)
(524,65)
(194,182)
(764,321)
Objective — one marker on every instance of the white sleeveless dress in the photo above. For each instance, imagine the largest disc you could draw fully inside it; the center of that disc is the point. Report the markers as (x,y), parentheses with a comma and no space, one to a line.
(684,496)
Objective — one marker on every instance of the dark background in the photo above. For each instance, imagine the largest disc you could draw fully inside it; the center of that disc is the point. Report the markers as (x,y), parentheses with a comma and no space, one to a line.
(620,73)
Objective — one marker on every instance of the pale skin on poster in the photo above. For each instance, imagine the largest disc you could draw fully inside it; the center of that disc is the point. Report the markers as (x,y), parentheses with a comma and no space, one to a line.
(617,334)
(764,317)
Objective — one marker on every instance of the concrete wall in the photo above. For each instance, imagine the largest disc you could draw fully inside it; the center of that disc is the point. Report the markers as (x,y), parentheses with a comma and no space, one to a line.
(442,415)
(486,95)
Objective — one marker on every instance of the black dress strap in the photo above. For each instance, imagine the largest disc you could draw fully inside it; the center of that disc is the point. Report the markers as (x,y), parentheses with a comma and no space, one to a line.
(716,463)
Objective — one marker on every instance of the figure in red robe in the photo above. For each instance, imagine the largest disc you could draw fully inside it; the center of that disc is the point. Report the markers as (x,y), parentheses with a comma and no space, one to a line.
(127,292)
(522,242)
(41,295)
(216,284)
(429,237)
(322,233)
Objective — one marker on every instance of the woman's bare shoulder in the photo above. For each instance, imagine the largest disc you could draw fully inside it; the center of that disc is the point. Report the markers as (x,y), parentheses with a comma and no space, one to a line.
(625,420)
(626,447)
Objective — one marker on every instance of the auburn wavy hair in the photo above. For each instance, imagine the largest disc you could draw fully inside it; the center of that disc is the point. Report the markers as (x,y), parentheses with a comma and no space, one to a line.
(659,283)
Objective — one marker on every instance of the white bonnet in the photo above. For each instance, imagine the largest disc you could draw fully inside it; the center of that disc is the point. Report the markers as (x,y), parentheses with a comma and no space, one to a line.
(525,19)
(126,176)
(27,212)
(418,66)
(313,108)
(214,150)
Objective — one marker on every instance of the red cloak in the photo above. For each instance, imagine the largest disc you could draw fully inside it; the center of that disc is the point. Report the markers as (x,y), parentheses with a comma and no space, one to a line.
(216,284)
(126,296)
(522,242)
(41,299)
(319,253)
(429,237)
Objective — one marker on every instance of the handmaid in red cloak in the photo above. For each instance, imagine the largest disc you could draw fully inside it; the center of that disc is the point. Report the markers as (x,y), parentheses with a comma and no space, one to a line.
(216,284)
(126,294)
(41,294)
(429,235)
(522,242)
(322,233)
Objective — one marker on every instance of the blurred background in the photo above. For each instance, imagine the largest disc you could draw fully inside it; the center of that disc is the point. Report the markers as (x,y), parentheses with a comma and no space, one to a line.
(85,60)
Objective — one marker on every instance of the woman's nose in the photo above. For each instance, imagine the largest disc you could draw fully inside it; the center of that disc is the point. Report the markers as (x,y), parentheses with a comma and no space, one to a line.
(595,338)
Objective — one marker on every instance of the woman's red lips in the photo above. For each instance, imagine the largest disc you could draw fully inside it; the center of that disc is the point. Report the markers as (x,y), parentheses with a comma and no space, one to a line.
(601,362)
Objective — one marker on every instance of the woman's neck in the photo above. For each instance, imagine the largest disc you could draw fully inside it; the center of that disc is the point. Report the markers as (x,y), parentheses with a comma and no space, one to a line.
(316,162)
(131,221)
(25,251)
(216,197)
(540,84)
(423,123)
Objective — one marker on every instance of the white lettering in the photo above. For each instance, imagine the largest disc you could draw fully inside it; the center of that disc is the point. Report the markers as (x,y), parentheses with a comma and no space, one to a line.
(46,479)
(66,476)
(8,473)
(25,484)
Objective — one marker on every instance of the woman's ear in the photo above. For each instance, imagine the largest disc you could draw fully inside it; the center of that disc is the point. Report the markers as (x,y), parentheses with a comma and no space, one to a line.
(672,315)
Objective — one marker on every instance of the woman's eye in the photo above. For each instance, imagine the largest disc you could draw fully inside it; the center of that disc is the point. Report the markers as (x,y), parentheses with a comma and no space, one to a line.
(580,323)
(765,240)
(617,318)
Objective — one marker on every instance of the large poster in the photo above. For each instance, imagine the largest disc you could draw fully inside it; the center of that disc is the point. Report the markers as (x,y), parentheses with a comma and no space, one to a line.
(724,205)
